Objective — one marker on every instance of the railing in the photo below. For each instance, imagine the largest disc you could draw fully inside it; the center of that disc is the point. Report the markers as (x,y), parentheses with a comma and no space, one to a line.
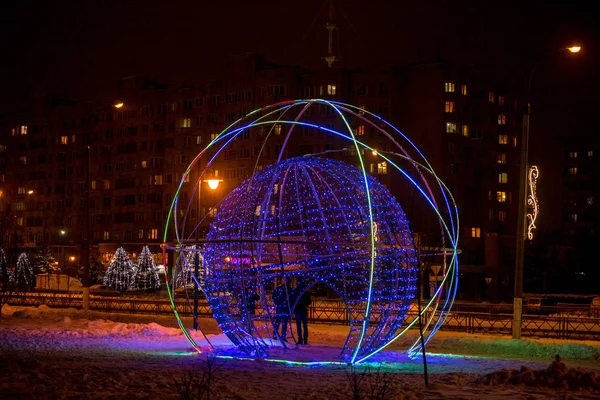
(560,322)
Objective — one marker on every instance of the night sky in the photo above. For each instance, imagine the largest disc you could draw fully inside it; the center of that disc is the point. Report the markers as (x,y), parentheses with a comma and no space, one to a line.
(80,49)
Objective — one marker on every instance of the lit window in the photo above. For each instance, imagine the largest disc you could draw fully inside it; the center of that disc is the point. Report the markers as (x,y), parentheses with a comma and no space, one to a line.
(573,217)
(153,233)
(156,179)
(360,130)
(503,139)
(213,136)
(362,109)
(573,170)
(212,212)
(64,140)
(186,122)
(572,154)
(331,89)
(491,97)
(140,233)
(106,184)
(273,209)
(502,177)
(20,221)
(515,141)
(501,100)
(590,153)
(93,185)
(449,87)
(501,119)
(278,129)
(23,160)
(465,130)
(144,164)
(23,129)
(590,201)
(502,216)
(449,106)
(382,168)
(501,197)
(106,235)
(21,190)
(501,158)
(476,232)
(198,139)
(451,127)
(463,90)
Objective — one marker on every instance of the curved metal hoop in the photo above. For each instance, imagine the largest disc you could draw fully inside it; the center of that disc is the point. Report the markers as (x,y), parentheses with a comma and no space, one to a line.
(407,159)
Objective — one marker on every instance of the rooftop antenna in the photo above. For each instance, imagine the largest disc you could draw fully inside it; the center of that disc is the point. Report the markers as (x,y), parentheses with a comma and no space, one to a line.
(330,26)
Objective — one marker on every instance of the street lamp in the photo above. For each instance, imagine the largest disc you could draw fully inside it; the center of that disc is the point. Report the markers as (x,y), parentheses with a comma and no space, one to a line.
(213,184)
(524,167)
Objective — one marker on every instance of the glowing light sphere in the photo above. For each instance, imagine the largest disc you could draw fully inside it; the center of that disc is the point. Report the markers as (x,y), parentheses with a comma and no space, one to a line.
(308,218)
(301,221)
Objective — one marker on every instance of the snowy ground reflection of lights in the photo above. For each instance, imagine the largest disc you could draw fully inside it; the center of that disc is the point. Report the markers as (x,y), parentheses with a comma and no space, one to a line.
(358,242)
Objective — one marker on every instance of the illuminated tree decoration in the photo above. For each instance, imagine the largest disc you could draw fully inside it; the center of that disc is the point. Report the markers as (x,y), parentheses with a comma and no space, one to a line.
(301,221)
(5,275)
(24,272)
(44,262)
(119,274)
(146,274)
(532,201)
(186,265)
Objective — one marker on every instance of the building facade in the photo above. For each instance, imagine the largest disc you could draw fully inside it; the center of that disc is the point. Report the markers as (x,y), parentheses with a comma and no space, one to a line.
(132,150)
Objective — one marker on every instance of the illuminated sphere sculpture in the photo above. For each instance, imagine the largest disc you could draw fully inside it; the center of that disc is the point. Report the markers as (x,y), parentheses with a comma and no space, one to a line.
(313,219)
(308,218)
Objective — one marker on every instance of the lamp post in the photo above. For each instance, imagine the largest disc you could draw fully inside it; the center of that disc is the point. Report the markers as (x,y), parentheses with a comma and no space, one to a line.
(524,167)
(213,184)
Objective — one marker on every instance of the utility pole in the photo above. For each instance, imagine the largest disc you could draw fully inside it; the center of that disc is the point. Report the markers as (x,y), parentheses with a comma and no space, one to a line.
(86,234)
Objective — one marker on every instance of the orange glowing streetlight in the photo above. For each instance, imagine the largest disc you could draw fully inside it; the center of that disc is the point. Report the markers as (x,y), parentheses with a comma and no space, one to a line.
(118,105)
(30,191)
(574,49)
(213,184)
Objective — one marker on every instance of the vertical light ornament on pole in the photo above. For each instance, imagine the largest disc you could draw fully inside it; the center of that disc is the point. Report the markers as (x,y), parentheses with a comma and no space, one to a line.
(532,200)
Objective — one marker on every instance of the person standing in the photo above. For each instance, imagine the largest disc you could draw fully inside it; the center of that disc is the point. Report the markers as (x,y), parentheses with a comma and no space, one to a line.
(301,316)
(282,310)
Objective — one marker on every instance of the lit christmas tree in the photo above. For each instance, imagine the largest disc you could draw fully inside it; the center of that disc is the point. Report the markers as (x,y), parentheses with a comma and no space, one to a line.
(44,263)
(186,274)
(146,274)
(24,272)
(5,276)
(119,273)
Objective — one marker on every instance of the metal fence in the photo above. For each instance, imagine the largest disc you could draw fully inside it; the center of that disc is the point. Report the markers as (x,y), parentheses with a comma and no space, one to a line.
(560,322)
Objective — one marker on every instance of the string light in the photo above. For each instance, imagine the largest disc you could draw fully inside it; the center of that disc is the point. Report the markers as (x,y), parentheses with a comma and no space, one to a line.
(532,200)
(314,219)
(120,271)
(24,272)
(146,274)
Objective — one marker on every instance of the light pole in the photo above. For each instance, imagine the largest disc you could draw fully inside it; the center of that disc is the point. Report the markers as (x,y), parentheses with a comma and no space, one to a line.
(213,184)
(524,167)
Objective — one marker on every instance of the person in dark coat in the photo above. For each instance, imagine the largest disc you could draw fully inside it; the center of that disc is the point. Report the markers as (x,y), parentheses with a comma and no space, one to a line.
(251,299)
(282,310)
(301,313)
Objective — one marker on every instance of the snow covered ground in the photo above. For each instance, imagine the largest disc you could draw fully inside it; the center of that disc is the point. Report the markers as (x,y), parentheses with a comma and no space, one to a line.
(68,354)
